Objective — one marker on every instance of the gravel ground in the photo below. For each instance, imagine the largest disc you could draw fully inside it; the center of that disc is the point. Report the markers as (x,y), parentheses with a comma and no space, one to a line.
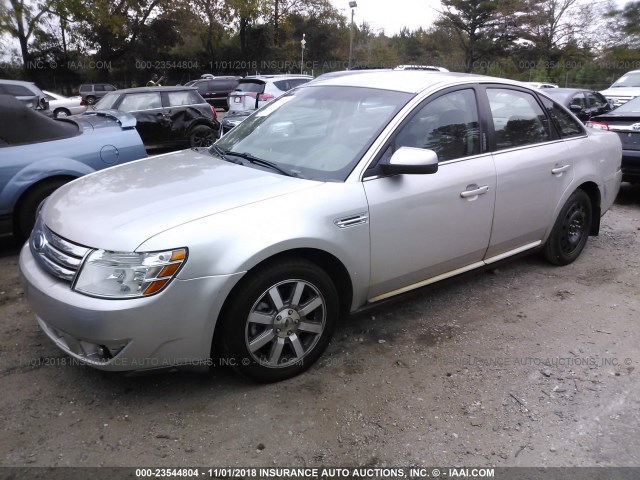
(529,365)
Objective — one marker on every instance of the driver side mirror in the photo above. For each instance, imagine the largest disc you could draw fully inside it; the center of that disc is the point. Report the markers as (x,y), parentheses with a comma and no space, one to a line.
(575,108)
(411,160)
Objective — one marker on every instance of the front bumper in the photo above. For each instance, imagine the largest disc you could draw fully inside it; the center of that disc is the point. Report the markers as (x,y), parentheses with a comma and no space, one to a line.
(173,328)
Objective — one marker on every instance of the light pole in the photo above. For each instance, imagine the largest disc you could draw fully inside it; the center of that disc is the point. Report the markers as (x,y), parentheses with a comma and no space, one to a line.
(303,42)
(353,6)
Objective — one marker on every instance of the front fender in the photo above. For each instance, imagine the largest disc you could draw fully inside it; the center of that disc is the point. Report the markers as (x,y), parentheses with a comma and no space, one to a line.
(237,240)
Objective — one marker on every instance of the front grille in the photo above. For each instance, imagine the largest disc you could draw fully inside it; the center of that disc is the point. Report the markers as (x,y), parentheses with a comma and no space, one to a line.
(60,257)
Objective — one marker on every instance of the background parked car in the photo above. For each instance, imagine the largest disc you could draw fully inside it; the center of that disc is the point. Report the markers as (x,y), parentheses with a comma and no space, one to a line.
(583,103)
(40,154)
(623,89)
(541,85)
(216,90)
(26,92)
(62,106)
(233,119)
(167,116)
(92,92)
(625,121)
(256,91)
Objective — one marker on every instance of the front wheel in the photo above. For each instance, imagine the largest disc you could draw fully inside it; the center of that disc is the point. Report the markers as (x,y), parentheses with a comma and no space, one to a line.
(25,217)
(279,321)
(201,136)
(571,230)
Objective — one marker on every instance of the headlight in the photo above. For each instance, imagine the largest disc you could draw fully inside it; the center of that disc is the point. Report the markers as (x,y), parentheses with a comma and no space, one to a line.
(128,275)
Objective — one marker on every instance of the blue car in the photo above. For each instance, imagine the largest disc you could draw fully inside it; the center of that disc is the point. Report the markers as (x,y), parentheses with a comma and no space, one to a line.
(39,154)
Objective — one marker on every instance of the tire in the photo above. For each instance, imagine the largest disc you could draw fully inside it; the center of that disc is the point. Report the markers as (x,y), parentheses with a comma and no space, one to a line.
(279,321)
(25,217)
(201,136)
(570,231)
(91,100)
(61,112)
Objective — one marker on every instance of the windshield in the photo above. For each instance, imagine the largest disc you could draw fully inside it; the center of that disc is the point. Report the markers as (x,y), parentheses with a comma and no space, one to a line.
(107,101)
(628,80)
(318,133)
(632,106)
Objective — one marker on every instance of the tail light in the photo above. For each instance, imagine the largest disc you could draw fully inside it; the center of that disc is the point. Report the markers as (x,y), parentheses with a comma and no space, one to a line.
(215,113)
(265,97)
(83,103)
(598,125)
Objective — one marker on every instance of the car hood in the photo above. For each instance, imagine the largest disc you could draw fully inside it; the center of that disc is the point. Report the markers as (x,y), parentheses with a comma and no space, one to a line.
(621,91)
(119,208)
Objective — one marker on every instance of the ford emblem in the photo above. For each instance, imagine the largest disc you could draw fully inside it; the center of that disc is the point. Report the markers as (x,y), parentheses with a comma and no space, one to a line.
(635,126)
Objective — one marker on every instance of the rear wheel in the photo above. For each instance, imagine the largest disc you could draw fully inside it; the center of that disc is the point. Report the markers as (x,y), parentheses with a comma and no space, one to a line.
(201,136)
(571,230)
(279,321)
(25,217)
(61,112)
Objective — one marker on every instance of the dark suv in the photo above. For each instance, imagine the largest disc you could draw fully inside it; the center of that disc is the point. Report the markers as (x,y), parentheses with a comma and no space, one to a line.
(166,116)
(216,90)
(92,92)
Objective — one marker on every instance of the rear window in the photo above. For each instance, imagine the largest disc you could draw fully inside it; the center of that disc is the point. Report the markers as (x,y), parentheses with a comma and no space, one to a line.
(251,86)
(107,102)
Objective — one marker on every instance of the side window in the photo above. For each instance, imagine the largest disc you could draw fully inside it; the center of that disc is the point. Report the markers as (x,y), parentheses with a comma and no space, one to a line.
(282,85)
(99,88)
(202,87)
(518,119)
(140,101)
(110,88)
(177,99)
(564,122)
(296,82)
(85,88)
(447,125)
(596,100)
(578,99)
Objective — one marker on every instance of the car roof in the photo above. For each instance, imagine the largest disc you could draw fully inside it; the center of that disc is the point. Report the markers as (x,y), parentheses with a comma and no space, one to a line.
(275,77)
(409,81)
(155,89)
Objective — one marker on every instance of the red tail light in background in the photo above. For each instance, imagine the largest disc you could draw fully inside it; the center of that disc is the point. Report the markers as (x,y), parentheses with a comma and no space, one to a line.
(598,125)
(215,113)
(265,97)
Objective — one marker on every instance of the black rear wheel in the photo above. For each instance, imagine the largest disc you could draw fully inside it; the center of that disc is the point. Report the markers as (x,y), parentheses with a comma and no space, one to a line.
(201,136)
(571,230)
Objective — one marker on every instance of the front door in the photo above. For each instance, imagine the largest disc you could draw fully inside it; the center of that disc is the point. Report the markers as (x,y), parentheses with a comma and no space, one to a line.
(424,226)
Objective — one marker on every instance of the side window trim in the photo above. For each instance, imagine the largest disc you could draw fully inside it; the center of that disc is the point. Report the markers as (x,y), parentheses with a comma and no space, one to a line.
(373,170)
(482,93)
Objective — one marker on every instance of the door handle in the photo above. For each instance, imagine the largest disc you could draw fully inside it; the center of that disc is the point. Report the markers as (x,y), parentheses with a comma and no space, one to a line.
(559,170)
(475,192)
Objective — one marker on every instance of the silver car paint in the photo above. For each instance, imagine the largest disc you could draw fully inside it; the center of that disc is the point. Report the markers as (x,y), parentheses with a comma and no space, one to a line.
(262,214)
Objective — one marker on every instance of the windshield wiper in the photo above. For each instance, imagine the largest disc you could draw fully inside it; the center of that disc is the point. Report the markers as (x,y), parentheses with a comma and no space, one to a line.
(265,163)
(223,155)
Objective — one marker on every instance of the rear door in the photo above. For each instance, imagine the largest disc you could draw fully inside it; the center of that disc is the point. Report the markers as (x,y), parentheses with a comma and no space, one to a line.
(153,123)
(533,165)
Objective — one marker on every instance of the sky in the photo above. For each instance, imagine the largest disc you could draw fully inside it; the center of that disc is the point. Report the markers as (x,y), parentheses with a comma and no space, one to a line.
(392,15)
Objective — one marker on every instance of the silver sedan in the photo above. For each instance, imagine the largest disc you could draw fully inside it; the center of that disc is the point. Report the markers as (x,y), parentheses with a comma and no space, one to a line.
(62,106)
(338,195)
